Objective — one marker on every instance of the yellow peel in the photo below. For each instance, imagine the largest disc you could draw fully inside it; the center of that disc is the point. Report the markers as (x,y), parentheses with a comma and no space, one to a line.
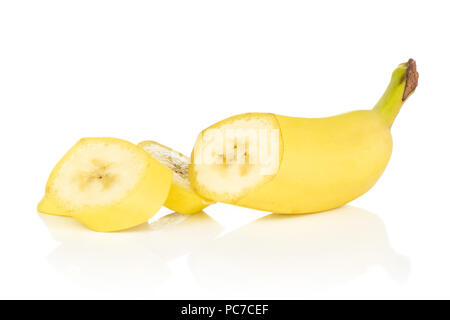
(49,205)
(182,198)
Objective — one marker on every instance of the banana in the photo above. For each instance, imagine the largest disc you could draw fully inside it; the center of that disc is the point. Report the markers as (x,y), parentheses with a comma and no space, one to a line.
(182,198)
(107,184)
(299,165)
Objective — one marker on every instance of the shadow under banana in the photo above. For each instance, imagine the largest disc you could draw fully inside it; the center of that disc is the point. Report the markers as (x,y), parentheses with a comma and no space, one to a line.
(298,251)
(138,257)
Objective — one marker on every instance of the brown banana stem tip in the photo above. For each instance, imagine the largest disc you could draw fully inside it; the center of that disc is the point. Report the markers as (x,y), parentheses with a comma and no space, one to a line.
(412,79)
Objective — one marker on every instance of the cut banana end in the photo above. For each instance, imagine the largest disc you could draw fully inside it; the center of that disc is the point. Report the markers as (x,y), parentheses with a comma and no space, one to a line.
(182,198)
(235,156)
(107,184)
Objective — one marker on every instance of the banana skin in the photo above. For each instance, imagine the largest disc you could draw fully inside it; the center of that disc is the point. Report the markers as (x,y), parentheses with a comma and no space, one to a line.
(181,198)
(325,162)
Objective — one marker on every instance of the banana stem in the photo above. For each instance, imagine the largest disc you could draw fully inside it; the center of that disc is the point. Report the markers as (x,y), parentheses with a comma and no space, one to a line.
(403,83)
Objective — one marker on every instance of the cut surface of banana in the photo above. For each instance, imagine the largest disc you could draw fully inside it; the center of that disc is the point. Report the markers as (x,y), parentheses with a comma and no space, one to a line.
(182,198)
(236,155)
(107,184)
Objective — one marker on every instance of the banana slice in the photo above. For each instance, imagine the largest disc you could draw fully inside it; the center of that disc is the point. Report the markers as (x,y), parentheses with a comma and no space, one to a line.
(107,184)
(182,198)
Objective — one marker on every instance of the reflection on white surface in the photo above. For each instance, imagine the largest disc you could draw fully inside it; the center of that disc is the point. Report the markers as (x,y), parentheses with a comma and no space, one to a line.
(271,255)
(303,251)
(135,258)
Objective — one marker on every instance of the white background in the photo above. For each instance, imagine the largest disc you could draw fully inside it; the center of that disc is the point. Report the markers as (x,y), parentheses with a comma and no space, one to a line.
(164,70)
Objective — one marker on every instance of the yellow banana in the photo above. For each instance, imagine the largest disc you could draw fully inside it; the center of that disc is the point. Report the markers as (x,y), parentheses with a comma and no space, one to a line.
(107,184)
(182,198)
(299,165)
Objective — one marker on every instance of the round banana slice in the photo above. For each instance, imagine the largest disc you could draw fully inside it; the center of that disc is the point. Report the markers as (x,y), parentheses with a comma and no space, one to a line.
(182,198)
(107,184)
